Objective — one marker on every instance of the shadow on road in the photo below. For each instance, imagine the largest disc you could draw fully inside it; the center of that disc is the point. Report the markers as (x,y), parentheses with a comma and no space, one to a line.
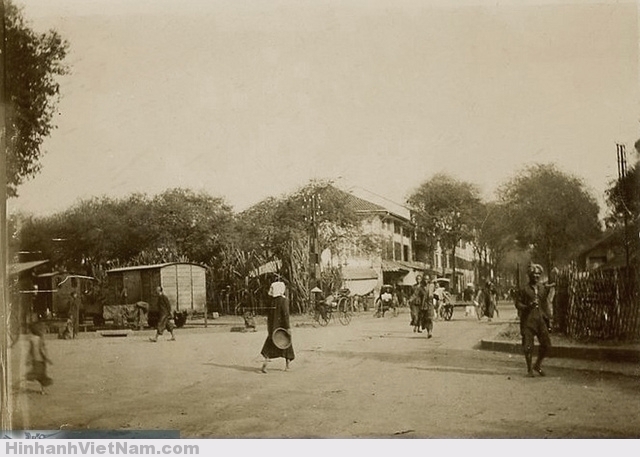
(235,367)
(473,371)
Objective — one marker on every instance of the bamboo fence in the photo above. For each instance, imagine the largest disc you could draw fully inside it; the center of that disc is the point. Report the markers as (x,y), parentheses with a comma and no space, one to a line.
(597,305)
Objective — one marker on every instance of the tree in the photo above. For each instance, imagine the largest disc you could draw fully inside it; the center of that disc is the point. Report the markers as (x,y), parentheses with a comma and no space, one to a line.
(495,243)
(623,197)
(491,237)
(445,209)
(33,61)
(195,225)
(175,224)
(281,228)
(550,212)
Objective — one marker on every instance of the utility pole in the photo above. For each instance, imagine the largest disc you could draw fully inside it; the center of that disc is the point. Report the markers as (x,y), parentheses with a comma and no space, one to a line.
(5,416)
(312,204)
(622,174)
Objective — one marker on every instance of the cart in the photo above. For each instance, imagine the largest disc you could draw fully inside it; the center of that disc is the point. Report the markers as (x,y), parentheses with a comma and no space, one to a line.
(446,308)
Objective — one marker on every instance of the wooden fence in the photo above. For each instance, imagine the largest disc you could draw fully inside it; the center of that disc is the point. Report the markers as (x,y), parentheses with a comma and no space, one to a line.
(597,305)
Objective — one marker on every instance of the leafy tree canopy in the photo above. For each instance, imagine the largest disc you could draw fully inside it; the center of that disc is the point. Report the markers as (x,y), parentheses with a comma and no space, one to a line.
(550,211)
(33,61)
(270,224)
(175,223)
(623,196)
(445,208)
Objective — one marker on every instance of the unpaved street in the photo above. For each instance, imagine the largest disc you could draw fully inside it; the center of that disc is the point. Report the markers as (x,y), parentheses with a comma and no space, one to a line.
(372,378)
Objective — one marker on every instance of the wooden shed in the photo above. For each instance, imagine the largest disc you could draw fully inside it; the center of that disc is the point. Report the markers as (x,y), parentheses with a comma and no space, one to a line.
(23,292)
(183,283)
(55,289)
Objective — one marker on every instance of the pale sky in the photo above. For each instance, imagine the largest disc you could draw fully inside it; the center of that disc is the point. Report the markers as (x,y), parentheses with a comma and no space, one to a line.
(250,99)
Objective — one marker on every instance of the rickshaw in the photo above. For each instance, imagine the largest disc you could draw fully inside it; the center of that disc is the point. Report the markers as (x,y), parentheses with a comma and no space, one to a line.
(444,306)
(386,300)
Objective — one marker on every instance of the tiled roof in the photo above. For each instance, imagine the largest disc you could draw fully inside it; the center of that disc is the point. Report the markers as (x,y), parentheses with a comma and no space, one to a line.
(358,204)
(389,266)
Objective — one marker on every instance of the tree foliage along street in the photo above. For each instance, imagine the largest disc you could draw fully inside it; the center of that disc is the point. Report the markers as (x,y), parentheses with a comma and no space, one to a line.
(445,209)
(280,229)
(181,225)
(492,237)
(623,197)
(108,231)
(551,212)
(33,61)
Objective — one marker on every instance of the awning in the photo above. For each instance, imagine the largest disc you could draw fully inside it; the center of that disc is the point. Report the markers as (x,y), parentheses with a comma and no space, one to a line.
(360,280)
(17,268)
(409,279)
(389,266)
(273,266)
(358,273)
(361,286)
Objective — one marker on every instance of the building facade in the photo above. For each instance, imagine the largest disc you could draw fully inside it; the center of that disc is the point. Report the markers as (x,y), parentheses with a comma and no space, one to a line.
(401,251)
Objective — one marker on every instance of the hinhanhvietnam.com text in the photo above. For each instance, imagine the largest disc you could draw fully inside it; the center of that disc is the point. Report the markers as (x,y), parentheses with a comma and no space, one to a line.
(92,448)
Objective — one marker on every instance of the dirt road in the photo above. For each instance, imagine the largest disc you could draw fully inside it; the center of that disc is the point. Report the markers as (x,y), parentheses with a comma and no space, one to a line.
(372,378)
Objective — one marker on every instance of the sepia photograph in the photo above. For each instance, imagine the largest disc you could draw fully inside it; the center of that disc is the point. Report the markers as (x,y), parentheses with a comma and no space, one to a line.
(320,219)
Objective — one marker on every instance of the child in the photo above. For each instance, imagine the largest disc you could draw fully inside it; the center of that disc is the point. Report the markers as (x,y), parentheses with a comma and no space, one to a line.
(249,322)
(38,357)
(66,332)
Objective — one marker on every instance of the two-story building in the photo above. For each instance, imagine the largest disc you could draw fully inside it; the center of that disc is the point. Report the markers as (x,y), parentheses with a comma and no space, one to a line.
(392,251)
(402,251)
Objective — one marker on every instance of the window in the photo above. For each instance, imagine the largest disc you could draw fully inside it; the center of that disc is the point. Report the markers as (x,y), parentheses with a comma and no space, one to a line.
(397,251)
(388,250)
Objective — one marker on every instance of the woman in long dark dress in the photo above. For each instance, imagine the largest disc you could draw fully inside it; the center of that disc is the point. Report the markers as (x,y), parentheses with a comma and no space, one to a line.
(278,317)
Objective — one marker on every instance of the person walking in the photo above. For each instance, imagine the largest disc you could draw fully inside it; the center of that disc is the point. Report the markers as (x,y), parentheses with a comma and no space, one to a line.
(38,357)
(488,294)
(532,305)
(165,320)
(278,317)
(427,309)
(74,312)
(414,304)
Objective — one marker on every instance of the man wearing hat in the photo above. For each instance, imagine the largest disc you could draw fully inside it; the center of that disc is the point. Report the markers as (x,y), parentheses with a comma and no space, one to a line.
(532,304)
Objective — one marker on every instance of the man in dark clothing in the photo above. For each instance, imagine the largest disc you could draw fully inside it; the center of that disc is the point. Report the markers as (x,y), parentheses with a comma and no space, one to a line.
(165,321)
(427,307)
(488,294)
(533,308)
(414,303)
